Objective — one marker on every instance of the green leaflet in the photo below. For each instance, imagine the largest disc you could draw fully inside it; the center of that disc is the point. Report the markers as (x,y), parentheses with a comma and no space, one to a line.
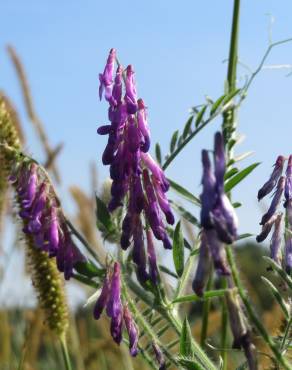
(158,153)
(195,298)
(187,127)
(200,115)
(236,179)
(277,295)
(184,192)
(185,344)
(173,141)
(103,216)
(178,250)
(88,269)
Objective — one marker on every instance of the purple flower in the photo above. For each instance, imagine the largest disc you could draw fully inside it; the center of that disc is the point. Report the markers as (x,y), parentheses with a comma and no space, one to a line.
(114,304)
(143,125)
(67,254)
(208,196)
(54,236)
(288,254)
(275,201)
(131,93)
(102,299)
(153,269)
(130,166)
(203,267)
(225,219)
(267,227)
(159,356)
(139,256)
(132,332)
(106,78)
(34,224)
(276,240)
(217,251)
(288,181)
(117,328)
(271,183)
(27,197)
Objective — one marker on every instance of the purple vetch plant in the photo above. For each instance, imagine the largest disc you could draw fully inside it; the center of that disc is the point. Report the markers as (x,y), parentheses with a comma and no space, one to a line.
(137,180)
(110,299)
(42,216)
(218,218)
(273,218)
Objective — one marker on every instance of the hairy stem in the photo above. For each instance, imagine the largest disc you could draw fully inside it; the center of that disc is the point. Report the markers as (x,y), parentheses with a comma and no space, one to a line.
(252,315)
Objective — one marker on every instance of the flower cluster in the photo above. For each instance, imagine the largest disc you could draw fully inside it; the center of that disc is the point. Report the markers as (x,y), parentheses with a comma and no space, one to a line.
(110,298)
(218,218)
(272,218)
(42,217)
(133,171)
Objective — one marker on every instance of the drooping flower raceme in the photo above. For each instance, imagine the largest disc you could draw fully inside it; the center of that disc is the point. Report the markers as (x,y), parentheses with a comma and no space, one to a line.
(218,219)
(110,299)
(42,216)
(274,218)
(136,177)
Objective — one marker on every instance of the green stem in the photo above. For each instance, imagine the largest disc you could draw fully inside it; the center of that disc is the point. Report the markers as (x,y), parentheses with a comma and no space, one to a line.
(224,326)
(65,353)
(252,315)
(193,134)
(206,310)
(286,334)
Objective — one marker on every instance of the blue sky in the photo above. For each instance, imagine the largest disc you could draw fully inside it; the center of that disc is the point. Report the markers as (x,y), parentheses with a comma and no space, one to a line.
(177,49)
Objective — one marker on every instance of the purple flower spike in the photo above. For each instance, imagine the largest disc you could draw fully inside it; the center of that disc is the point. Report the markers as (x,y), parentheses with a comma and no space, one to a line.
(106,78)
(288,255)
(131,94)
(208,194)
(275,202)
(271,183)
(114,305)
(203,267)
(267,227)
(218,253)
(102,299)
(159,356)
(153,269)
(132,332)
(276,240)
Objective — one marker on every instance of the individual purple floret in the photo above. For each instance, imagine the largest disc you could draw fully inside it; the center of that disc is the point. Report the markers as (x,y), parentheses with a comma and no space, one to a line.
(276,240)
(288,255)
(153,269)
(275,201)
(106,78)
(271,183)
(203,267)
(218,253)
(267,227)
(132,330)
(159,356)
(102,299)
(131,93)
